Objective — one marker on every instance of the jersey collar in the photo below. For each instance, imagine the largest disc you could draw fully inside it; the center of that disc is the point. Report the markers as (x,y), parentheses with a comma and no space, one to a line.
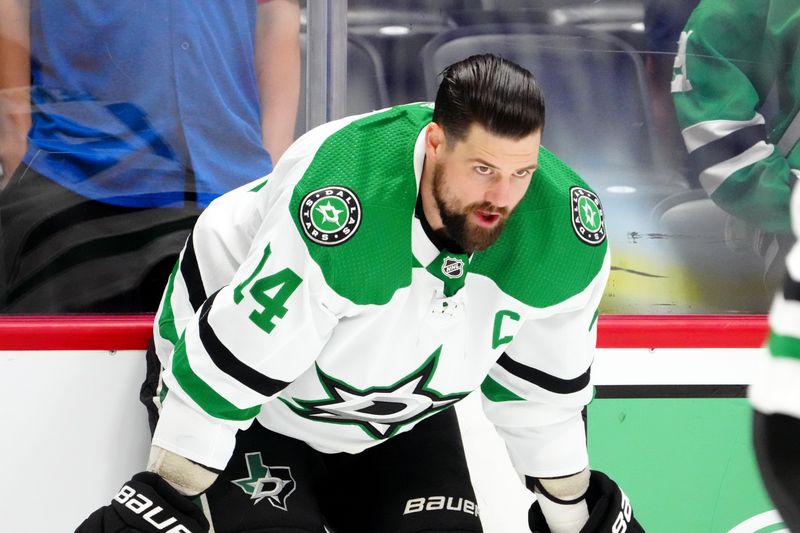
(441,257)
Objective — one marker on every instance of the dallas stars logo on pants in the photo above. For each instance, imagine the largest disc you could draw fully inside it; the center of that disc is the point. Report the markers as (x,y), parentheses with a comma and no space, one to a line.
(273,482)
(379,411)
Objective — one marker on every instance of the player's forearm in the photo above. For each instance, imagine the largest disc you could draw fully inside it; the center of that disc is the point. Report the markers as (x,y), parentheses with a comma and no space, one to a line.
(552,450)
(194,435)
(278,72)
(15,119)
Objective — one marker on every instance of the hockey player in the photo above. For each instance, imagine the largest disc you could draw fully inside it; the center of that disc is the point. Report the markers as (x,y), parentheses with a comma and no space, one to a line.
(720,86)
(775,396)
(321,322)
(747,162)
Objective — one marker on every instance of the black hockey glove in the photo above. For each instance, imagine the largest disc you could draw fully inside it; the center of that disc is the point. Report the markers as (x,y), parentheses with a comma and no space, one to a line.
(609,509)
(146,504)
(775,440)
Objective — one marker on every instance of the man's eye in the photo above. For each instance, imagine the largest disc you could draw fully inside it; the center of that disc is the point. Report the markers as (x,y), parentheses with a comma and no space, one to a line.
(482,169)
(522,173)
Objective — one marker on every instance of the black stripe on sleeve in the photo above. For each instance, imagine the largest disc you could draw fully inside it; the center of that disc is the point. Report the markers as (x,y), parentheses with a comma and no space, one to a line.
(543,379)
(228,363)
(191,275)
(728,147)
(670,391)
(791,289)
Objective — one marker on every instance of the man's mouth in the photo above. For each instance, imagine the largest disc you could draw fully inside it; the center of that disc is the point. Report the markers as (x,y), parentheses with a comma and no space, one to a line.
(486,218)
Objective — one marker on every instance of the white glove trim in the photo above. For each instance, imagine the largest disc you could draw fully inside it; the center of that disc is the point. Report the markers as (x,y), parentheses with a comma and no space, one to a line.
(188,478)
(562,501)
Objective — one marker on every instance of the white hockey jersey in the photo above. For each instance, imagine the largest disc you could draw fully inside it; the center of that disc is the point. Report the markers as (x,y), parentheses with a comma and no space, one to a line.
(314,301)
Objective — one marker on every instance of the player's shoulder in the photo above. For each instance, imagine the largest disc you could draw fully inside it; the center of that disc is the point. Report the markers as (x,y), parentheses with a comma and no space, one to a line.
(354,203)
(554,245)
(716,18)
(371,154)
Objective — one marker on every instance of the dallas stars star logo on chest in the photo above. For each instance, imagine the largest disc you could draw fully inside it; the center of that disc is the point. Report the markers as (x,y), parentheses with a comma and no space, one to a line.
(382,410)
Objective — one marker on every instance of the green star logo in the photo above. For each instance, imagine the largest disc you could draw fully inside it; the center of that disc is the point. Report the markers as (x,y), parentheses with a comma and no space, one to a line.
(326,214)
(589,213)
(379,411)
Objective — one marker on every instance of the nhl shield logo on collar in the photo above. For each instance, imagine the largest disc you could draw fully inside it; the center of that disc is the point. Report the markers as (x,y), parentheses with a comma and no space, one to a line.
(453,267)
(588,220)
(330,215)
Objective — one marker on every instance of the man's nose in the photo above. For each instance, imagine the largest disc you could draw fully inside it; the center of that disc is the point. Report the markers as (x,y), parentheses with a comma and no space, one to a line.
(498,193)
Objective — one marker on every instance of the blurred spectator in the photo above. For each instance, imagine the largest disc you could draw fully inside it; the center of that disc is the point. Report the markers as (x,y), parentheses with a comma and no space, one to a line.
(142,113)
(746,163)
(278,71)
(15,119)
(663,22)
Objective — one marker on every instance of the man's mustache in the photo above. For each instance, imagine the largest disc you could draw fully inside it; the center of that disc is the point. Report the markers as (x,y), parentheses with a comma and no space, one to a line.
(488,207)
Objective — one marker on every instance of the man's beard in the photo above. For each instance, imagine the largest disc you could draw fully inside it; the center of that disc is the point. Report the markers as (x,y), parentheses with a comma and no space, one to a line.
(458,225)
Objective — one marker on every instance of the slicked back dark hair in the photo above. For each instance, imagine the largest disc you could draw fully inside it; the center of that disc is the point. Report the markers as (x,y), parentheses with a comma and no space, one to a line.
(496,93)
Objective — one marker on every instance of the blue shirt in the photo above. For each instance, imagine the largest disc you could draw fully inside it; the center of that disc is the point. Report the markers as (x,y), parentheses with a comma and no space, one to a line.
(145,102)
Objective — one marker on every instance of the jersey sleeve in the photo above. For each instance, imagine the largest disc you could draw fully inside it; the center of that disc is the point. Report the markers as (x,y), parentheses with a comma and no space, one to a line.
(776,390)
(536,391)
(218,245)
(249,337)
(719,85)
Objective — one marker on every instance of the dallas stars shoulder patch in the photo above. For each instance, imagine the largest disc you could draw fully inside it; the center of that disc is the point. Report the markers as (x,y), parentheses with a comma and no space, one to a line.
(330,215)
(588,219)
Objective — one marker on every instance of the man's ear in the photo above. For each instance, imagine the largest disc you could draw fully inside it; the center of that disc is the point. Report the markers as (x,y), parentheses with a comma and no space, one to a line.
(435,141)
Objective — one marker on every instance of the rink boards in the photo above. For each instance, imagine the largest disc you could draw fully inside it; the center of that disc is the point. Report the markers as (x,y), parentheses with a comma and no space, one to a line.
(669,422)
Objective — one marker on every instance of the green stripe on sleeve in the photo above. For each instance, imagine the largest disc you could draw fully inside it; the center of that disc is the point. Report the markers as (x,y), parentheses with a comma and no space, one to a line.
(497,393)
(260,185)
(594,318)
(202,393)
(783,346)
(166,320)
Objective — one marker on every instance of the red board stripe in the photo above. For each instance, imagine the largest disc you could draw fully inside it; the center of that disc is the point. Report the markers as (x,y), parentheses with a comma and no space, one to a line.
(112,332)
(132,332)
(682,331)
